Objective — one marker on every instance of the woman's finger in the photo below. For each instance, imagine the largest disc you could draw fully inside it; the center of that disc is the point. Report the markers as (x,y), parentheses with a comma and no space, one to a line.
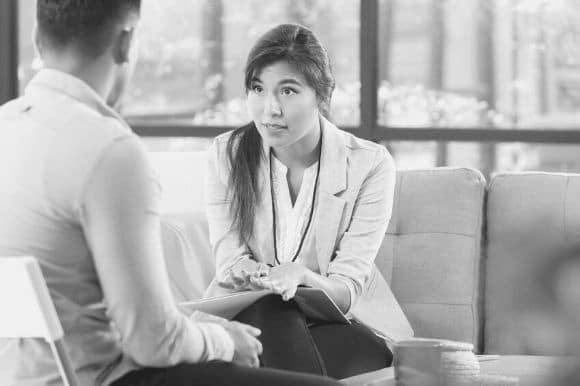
(278,287)
(256,362)
(226,284)
(259,347)
(288,294)
(235,277)
(255,332)
(257,282)
(239,278)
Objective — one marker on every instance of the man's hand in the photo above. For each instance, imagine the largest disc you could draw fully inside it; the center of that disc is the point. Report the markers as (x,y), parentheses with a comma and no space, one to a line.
(247,347)
(283,279)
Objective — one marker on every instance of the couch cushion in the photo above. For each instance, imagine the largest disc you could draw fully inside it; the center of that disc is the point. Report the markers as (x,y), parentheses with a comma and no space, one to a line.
(182,176)
(531,218)
(431,254)
(188,256)
(187,251)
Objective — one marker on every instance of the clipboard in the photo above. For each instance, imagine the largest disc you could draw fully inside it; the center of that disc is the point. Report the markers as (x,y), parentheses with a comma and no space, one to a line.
(314,302)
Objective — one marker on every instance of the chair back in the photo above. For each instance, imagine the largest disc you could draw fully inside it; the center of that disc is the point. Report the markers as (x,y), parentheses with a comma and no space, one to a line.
(28,310)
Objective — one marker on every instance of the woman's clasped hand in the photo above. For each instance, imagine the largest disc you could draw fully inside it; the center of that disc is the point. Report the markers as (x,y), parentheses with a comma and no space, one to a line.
(282,279)
(238,277)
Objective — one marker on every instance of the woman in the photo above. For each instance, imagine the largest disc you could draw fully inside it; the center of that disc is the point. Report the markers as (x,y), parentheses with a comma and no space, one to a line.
(294,201)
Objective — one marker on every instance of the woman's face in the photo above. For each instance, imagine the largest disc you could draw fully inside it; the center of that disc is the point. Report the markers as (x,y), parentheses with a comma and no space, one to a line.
(283,106)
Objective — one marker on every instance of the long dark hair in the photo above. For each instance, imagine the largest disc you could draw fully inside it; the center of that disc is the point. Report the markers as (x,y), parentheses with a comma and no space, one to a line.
(299,47)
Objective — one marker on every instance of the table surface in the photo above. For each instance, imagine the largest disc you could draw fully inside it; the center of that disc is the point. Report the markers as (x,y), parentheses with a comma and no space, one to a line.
(531,370)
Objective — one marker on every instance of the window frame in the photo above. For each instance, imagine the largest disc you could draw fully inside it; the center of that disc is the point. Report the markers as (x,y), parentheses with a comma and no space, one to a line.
(369,77)
(8,50)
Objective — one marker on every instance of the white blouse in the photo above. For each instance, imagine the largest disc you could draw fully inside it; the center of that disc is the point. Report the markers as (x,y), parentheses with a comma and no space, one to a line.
(292,220)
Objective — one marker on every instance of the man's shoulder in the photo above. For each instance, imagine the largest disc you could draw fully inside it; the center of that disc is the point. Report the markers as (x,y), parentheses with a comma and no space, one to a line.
(64,116)
(85,121)
(94,135)
(109,127)
(80,134)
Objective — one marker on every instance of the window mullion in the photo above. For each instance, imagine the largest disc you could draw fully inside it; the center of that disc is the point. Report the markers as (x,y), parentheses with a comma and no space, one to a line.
(369,74)
(8,50)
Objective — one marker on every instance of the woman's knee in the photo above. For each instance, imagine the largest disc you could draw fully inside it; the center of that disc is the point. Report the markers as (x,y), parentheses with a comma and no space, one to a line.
(267,308)
(354,338)
(272,301)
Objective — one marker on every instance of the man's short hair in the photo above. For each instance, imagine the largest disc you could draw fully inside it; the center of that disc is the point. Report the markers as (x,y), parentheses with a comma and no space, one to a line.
(86,22)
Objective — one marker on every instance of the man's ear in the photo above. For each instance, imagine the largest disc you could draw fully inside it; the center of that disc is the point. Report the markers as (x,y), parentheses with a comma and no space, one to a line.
(123,45)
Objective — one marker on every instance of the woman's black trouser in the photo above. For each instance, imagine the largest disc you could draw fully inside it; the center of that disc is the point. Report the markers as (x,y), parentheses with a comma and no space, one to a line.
(218,373)
(290,342)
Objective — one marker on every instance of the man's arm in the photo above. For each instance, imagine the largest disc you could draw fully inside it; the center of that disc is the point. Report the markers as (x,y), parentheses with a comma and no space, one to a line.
(121,222)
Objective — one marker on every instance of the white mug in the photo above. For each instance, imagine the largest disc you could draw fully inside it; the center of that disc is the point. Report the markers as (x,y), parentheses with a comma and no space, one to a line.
(434,362)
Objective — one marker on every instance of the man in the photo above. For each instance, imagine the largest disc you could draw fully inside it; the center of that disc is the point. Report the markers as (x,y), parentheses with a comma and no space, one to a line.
(78,194)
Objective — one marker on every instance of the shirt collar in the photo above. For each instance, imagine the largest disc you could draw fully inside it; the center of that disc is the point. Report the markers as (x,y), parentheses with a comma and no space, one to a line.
(279,167)
(62,82)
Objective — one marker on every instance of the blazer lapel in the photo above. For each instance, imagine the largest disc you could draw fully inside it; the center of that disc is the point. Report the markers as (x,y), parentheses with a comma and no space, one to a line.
(333,173)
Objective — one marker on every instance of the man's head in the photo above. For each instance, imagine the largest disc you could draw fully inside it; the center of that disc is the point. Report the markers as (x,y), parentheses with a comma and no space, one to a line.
(90,31)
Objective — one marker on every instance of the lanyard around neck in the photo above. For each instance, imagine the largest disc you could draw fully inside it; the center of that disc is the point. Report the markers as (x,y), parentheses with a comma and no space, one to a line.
(303,237)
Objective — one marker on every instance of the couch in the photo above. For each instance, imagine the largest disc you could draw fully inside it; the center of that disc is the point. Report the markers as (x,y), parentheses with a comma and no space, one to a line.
(462,255)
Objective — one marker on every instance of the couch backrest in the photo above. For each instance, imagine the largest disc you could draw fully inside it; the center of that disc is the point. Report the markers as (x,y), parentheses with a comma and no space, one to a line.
(531,217)
(182,176)
(431,254)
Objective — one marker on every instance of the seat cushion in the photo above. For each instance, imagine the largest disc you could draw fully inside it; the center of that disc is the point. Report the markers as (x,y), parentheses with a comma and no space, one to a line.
(431,254)
(531,218)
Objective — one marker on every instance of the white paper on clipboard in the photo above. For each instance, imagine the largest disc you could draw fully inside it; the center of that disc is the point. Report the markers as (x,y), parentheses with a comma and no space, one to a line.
(314,302)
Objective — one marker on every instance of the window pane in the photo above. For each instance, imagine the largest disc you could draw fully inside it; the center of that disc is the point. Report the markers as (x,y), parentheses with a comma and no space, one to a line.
(28,63)
(544,157)
(410,155)
(486,157)
(479,63)
(193,53)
